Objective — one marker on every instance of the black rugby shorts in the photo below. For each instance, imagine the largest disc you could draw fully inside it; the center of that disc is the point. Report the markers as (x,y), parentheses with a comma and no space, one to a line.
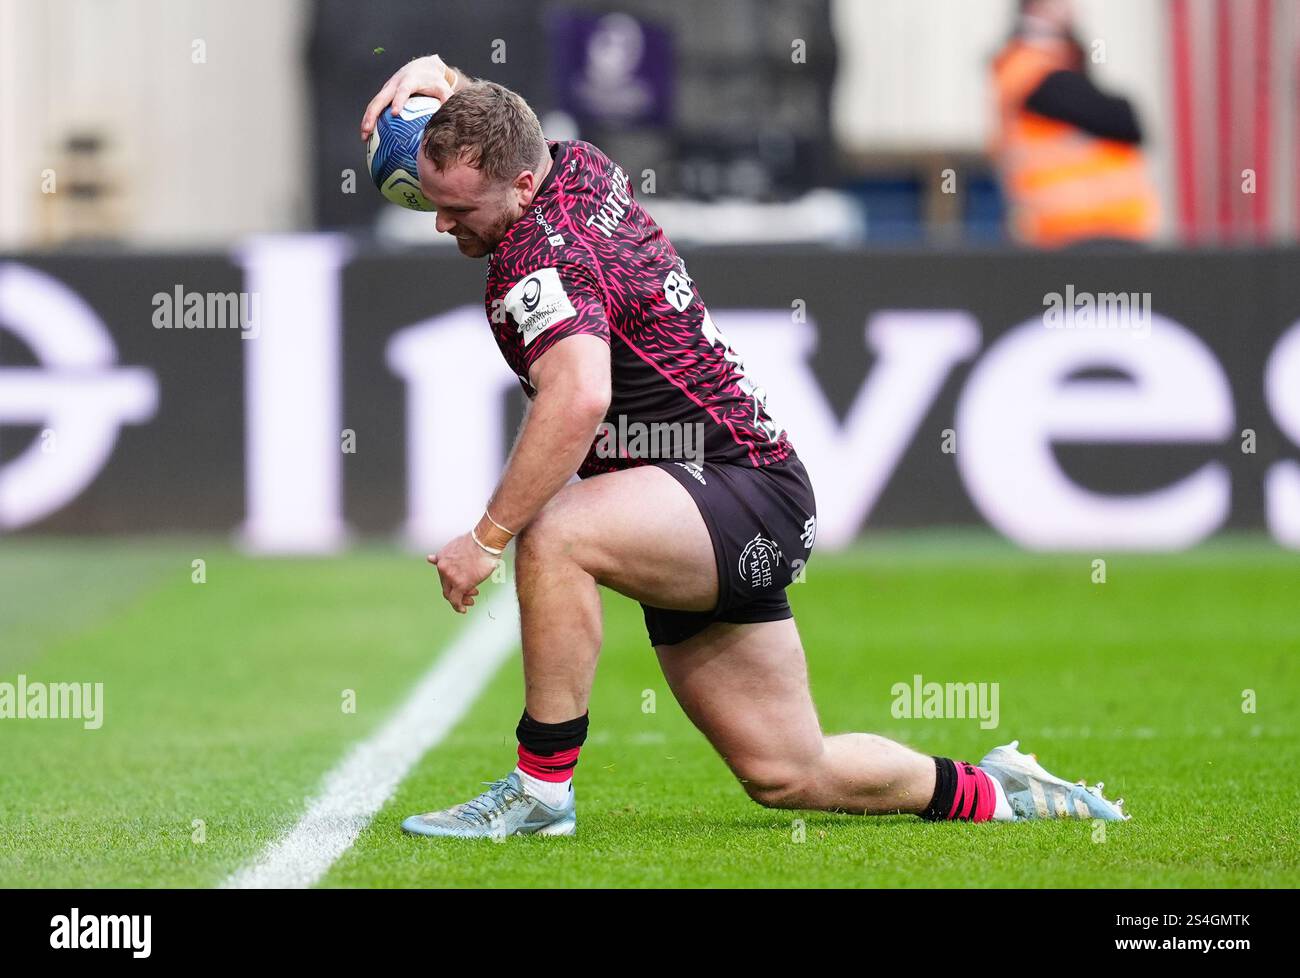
(763,523)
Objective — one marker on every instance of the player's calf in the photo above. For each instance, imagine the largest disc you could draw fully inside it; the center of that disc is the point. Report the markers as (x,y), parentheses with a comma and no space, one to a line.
(856,772)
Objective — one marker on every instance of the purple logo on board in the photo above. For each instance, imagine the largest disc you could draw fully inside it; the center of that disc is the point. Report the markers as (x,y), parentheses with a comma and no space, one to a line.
(612,70)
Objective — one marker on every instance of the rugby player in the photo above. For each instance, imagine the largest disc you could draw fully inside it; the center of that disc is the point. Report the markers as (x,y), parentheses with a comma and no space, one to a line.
(597,315)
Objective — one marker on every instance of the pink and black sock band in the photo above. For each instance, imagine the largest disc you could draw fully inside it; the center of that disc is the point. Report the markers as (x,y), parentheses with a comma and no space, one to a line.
(549,751)
(962,792)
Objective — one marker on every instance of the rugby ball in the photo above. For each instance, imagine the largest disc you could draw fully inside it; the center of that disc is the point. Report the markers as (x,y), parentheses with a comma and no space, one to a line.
(392,151)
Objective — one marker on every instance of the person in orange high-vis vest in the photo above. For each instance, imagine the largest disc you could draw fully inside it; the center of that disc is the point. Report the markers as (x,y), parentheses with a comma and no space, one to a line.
(1069,156)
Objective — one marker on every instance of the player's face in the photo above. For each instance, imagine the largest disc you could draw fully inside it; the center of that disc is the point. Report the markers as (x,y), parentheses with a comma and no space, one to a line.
(471,207)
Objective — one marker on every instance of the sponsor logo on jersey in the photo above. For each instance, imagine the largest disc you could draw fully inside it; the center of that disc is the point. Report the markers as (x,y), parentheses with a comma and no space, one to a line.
(553,237)
(678,291)
(537,302)
(758,561)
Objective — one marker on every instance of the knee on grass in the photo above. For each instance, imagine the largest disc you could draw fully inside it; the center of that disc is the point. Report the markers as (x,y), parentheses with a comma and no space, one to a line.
(781,785)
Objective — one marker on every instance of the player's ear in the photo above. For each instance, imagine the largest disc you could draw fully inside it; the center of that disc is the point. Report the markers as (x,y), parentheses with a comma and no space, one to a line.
(525,187)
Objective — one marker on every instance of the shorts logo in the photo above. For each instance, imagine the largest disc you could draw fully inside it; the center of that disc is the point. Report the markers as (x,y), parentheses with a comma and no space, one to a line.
(677,290)
(537,302)
(696,470)
(809,532)
(758,561)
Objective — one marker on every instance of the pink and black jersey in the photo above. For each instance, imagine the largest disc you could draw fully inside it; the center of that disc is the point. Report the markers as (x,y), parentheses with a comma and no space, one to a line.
(587,258)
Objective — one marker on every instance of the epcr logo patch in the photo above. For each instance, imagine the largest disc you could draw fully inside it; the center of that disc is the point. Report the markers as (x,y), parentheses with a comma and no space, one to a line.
(758,561)
(532,292)
(75,394)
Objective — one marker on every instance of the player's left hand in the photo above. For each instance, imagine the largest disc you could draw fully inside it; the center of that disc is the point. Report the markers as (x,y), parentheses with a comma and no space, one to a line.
(463,565)
(422,76)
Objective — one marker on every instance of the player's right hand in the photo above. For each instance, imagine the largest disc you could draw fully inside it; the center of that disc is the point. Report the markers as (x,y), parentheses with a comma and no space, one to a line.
(424,76)
(462,566)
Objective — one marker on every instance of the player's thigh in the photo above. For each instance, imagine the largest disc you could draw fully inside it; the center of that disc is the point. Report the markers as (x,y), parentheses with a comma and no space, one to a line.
(637,531)
(746,688)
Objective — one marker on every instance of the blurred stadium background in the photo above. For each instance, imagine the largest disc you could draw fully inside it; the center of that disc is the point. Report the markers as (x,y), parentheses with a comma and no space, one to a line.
(827,169)
(164,151)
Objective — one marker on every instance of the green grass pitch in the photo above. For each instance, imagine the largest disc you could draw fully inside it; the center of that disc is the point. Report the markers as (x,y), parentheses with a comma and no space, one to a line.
(223,712)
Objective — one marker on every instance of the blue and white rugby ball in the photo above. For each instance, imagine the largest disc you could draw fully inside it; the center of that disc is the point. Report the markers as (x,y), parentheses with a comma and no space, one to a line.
(392,151)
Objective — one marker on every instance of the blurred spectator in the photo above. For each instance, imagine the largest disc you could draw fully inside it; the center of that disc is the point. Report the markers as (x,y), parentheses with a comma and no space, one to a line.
(1069,156)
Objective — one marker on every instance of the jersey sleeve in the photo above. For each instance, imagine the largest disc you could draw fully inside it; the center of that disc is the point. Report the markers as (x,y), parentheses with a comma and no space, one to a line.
(548,304)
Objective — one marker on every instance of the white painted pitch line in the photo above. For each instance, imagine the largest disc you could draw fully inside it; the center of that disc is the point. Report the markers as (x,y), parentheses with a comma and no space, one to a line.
(367,777)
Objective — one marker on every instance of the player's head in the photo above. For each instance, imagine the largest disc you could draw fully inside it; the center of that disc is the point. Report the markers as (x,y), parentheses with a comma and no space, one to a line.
(480,164)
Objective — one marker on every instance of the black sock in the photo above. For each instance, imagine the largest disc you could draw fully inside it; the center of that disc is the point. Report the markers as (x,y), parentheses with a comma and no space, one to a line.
(962,792)
(945,791)
(550,750)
